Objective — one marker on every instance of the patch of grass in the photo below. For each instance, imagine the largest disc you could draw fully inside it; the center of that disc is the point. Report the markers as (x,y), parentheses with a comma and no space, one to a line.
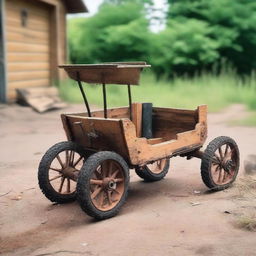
(216,91)
(247,221)
(248,121)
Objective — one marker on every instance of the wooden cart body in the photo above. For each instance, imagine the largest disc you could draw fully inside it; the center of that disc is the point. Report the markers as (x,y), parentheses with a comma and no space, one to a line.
(103,145)
(175,132)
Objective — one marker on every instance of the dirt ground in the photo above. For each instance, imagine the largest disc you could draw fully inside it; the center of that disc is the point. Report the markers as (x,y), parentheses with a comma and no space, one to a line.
(176,216)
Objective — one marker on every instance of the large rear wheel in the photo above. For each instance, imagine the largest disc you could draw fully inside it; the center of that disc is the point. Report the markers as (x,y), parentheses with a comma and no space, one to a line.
(102,185)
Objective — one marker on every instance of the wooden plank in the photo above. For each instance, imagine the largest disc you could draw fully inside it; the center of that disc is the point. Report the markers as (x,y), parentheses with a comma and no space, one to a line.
(28,83)
(27,57)
(35,8)
(33,25)
(137,117)
(117,113)
(3,86)
(98,133)
(27,66)
(24,37)
(141,152)
(28,75)
(30,33)
(27,47)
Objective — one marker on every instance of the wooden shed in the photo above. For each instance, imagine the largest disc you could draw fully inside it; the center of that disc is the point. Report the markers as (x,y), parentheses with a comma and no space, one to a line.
(33,42)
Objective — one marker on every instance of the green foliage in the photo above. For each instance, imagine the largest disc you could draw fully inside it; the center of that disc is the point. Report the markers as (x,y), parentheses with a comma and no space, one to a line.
(233,26)
(183,47)
(116,32)
(200,34)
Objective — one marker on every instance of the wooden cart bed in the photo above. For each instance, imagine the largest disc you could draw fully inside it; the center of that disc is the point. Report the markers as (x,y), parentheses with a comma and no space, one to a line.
(175,131)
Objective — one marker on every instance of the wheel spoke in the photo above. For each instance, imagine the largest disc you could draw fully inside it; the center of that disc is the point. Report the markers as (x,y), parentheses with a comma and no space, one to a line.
(77,161)
(224,176)
(229,155)
(96,192)
(226,151)
(101,198)
(55,178)
(220,171)
(114,174)
(96,182)
(61,163)
(55,169)
(109,197)
(68,185)
(221,153)
(217,167)
(67,158)
(118,180)
(104,169)
(116,191)
(218,159)
(71,158)
(61,184)
(110,169)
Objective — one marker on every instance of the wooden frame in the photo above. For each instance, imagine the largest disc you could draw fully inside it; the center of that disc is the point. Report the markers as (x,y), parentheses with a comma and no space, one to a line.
(3,83)
(118,133)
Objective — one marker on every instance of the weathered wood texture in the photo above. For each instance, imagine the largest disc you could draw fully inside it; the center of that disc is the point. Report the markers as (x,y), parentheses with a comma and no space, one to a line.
(34,49)
(188,137)
(119,134)
(97,133)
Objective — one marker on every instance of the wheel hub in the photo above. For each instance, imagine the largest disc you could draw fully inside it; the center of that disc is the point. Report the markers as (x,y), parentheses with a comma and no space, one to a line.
(109,184)
(228,165)
(70,172)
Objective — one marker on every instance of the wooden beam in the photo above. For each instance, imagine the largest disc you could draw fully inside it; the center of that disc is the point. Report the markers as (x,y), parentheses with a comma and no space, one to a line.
(3,83)
(137,117)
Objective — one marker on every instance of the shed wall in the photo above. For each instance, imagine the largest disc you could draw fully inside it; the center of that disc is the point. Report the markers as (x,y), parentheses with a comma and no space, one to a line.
(34,49)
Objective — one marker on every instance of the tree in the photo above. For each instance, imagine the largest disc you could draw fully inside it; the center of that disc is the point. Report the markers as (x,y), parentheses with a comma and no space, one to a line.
(117,32)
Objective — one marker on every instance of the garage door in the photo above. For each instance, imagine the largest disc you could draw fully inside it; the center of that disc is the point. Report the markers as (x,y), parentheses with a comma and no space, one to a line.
(28,44)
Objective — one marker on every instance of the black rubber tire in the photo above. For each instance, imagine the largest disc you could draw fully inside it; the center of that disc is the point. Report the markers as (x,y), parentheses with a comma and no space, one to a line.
(43,171)
(207,162)
(149,176)
(83,184)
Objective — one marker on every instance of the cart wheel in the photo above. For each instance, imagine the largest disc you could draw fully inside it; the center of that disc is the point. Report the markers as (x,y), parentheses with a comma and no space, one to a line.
(102,185)
(58,171)
(155,171)
(220,163)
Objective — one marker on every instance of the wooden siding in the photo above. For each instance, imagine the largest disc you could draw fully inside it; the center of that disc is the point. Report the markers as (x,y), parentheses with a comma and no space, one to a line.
(33,52)
(28,47)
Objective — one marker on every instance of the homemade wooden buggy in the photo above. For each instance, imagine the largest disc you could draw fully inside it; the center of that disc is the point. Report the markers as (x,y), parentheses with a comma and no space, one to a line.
(93,165)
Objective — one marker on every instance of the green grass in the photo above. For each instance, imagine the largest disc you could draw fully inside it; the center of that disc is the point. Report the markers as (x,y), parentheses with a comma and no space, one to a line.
(247,121)
(216,91)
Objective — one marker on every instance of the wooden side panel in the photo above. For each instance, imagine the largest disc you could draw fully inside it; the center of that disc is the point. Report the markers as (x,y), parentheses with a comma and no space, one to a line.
(97,133)
(27,44)
(117,113)
(168,122)
(137,117)
(141,151)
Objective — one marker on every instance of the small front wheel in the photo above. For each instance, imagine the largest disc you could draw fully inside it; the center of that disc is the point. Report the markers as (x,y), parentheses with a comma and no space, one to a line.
(102,185)
(155,171)
(220,163)
(58,171)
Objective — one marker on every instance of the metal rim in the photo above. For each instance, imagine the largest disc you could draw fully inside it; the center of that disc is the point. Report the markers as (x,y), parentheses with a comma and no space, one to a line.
(63,171)
(224,164)
(157,167)
(107,184)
